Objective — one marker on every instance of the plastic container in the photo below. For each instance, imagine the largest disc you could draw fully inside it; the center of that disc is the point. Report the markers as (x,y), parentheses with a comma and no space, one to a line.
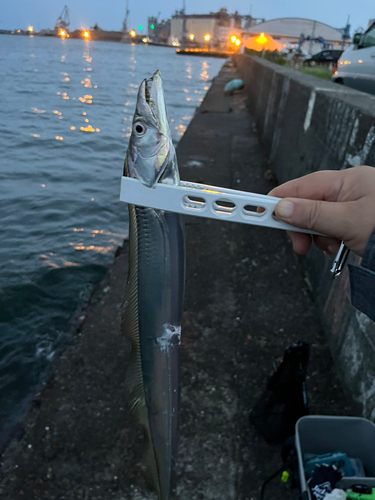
(352,435)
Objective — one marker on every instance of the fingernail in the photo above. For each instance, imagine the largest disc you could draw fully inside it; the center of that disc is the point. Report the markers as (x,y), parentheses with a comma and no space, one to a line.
(284,209)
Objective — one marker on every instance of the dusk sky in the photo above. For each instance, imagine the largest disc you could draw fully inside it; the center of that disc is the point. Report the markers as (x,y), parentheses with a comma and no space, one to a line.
(109,14)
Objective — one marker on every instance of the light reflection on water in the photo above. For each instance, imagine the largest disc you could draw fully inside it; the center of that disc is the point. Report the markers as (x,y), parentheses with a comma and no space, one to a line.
(65,120)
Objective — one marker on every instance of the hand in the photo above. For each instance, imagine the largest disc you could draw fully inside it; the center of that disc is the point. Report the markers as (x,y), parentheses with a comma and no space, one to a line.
(340,204)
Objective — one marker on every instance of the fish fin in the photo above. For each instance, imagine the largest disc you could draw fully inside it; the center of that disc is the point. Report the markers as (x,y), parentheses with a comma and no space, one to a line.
(129,320)
(134,376)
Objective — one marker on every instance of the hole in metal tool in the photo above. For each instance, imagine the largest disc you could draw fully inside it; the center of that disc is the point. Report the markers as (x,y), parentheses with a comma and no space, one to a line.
(193,202)
(224,206)
(253,211)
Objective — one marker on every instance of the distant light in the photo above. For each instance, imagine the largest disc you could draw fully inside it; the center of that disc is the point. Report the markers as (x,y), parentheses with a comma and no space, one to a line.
(233,39)
(238,42)
(86,34)
(133,33)
(152,26)
(30,29)
(140,27)
(191,36)
(62,33)
(262,39)
(207,38)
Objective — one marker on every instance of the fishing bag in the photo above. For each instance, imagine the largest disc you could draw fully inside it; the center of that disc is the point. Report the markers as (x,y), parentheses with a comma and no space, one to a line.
(285,400)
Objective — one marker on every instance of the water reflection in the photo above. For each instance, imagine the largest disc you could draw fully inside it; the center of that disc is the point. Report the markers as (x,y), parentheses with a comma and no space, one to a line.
(86,83)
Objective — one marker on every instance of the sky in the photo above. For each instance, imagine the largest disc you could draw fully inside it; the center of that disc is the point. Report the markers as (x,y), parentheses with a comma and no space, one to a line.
(109,14)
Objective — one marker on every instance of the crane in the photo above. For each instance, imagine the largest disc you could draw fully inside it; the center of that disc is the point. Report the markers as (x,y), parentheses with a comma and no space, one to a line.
(126,20)
(63,20)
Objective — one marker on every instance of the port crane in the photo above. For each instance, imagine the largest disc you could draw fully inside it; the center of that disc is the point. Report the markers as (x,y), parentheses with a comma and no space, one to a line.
(63,21)
(125,23)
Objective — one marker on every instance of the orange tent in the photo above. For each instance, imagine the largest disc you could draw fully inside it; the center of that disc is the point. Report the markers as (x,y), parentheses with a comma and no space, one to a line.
(262,41)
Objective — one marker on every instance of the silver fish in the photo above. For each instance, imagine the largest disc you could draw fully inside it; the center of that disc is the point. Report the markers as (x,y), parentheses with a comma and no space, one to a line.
(155,289)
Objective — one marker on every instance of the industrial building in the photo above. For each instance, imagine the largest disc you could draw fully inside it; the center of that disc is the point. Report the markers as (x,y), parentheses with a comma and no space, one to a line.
(313,35)
(215,28)
(159,32)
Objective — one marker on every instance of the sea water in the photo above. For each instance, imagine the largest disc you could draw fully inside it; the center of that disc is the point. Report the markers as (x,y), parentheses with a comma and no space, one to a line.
(65,122)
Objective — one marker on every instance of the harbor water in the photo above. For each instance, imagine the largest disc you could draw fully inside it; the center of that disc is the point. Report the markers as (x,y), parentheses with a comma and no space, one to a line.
(65,122)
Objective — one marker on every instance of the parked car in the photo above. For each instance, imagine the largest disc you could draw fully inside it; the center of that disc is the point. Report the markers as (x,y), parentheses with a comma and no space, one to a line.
(356,66)
(323,58)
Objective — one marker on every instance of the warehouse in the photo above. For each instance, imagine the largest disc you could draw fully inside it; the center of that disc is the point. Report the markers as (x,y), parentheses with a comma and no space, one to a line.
(289,30)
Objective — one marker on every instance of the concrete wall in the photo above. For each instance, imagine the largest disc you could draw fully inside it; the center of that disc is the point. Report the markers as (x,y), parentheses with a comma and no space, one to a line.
(307,124)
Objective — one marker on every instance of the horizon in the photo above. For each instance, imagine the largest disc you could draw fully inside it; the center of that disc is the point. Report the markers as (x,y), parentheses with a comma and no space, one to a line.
(85,14)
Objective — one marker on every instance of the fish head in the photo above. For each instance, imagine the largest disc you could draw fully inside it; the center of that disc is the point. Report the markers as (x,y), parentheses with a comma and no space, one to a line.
(151,156)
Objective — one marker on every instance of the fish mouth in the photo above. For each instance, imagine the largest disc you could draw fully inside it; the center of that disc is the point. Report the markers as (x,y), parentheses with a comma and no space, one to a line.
(154,98)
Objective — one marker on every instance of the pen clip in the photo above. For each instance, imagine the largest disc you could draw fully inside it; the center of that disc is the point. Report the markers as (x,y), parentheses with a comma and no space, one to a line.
(340,260)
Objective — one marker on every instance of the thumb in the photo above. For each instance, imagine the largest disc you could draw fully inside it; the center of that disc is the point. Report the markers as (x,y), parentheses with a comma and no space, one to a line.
(326,217)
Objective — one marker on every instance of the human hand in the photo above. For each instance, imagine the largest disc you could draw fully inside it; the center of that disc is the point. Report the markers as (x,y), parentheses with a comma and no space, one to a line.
(340,204)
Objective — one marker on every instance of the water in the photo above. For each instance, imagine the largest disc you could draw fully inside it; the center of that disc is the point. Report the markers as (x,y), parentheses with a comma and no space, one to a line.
(65,122)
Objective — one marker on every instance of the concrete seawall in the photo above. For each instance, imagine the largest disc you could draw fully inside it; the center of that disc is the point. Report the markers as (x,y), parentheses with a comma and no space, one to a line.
(307,124)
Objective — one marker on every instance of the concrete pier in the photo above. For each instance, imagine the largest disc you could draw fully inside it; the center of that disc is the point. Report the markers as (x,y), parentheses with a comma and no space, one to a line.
(307,124)
(247,299)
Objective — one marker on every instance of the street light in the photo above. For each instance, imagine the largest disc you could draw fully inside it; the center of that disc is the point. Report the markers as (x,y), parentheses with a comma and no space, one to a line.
(262,39)
(233,39)
(191,37)
(132,33)
(207,37)
(238,42)
(86,34)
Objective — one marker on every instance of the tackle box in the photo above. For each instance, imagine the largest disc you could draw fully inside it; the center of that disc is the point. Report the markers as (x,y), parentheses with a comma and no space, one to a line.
(354,436)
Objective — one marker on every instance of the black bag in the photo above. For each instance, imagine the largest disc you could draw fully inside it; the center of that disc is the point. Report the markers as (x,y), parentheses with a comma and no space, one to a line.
(285,400)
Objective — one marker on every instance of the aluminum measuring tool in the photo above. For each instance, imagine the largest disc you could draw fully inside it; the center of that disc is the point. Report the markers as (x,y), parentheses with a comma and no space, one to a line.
(212,202)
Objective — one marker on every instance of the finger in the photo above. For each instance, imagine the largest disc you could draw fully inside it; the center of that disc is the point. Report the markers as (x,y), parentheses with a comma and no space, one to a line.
(301,242)
(328,245)
(324,185)
(325,217)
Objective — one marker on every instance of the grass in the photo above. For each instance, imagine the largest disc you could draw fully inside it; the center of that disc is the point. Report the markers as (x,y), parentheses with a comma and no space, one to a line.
(277,58)
(323,73)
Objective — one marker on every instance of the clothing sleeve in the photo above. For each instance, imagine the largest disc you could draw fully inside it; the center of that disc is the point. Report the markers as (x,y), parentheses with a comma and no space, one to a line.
(362,281)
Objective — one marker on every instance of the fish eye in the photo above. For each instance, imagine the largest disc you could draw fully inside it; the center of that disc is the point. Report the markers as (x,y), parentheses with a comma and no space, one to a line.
(139,129)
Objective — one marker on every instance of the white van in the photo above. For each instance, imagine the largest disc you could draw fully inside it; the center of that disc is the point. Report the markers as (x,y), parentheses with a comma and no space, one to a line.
(356,66)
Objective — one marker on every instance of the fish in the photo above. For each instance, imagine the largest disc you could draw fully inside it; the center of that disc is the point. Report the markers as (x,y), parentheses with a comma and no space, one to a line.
(154,292)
